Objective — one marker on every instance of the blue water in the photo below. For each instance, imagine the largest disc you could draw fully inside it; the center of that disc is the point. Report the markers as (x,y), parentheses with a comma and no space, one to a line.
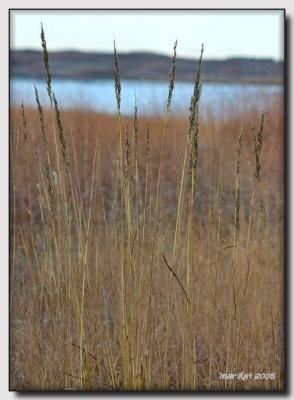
(150,95)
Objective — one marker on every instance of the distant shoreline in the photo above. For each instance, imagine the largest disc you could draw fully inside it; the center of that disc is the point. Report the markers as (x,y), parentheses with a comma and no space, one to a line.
(95,78)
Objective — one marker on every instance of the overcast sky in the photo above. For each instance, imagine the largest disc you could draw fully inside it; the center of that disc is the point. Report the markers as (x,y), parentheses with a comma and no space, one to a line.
(224,33)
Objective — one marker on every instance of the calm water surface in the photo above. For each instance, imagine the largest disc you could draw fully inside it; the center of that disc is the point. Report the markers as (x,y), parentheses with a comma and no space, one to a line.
(150,95)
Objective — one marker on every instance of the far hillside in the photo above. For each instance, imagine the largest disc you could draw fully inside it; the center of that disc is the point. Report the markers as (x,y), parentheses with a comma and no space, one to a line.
(83,65)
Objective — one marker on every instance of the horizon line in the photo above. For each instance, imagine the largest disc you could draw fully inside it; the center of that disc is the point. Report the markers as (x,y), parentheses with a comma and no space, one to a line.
(236,57)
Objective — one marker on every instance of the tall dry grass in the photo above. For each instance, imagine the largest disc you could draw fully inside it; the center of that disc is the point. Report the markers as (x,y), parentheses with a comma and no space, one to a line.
(146,253)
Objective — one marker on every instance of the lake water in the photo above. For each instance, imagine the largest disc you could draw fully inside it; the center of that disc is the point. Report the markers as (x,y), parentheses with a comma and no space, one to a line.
(150,95)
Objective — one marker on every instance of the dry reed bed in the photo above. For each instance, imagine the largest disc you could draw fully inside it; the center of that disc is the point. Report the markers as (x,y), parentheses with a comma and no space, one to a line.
(141,266)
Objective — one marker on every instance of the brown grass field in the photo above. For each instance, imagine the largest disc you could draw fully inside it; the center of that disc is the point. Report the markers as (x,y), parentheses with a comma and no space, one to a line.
(146,253)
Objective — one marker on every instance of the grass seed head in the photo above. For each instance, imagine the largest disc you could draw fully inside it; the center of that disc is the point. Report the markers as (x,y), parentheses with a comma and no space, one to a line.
(258,141)
(127,153)
(237,195)
(117,83)
(136,130)
(194,105)
(46,63)
(171,79)
(24,122)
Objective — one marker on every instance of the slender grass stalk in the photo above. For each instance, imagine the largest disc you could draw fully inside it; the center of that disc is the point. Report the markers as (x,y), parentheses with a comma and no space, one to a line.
(27,144)
(192,142)
(14,155)
(193,133)
(218,242)
(137,181)
(172,75)
(63,150)
(236,241)
(47,162)
(258,142)
(127,188)
(125,335)
(85,266)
